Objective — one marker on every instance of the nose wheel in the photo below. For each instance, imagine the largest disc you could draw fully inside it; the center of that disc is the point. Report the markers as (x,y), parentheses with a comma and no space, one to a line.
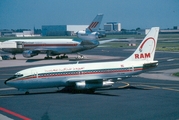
(80,56)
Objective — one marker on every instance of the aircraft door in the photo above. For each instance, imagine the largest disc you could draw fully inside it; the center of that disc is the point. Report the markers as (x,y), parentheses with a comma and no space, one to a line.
(34,73)
(80,72)
(132,68)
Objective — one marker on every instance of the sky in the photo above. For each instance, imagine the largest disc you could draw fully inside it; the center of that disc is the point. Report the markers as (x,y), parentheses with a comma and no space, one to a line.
(27,14)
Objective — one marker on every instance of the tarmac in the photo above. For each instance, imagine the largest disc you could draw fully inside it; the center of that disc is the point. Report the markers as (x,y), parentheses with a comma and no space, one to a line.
(151,95)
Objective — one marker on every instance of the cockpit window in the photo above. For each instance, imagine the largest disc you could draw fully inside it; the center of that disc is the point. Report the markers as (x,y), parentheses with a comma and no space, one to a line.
(18,75)
(15,76)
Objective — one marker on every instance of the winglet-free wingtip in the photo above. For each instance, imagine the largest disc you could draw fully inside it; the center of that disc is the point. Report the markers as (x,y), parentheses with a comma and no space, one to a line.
(100,14)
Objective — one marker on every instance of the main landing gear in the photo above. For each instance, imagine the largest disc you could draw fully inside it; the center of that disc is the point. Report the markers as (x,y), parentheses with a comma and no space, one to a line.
(73,90)
(57,57)
(48,55)
(61,57)
(14,57)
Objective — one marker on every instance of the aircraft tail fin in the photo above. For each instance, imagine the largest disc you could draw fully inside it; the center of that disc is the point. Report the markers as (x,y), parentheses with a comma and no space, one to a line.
(94,26)
(146,49)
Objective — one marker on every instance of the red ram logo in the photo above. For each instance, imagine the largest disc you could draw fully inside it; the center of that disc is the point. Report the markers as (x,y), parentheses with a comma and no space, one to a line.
(142,55)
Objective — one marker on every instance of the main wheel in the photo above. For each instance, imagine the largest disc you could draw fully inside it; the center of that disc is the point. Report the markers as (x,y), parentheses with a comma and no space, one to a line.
(27,92)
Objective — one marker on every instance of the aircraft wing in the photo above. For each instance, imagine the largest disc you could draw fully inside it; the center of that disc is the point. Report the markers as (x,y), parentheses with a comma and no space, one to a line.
(90,82)
(96,78)
(106,41)
(59,50)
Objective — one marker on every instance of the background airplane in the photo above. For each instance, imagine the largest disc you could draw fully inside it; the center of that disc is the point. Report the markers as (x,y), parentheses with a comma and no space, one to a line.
(89,76)
(91,32)
(52,47)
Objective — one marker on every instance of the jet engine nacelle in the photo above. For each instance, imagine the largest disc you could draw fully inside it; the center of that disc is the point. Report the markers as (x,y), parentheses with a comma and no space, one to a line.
(89,35)
(83,85)
(101,35)
(29,53)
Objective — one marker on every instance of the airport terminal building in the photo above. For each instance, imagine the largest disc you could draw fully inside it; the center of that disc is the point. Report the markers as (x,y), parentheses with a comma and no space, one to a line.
(70,30)
(112,26)
(61,30)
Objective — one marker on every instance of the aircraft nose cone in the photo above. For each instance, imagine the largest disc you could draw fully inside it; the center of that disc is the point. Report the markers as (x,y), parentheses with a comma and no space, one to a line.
(6,81)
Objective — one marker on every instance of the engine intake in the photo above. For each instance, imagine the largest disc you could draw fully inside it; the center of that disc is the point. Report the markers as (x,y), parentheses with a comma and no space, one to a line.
(83,85)
(29,53)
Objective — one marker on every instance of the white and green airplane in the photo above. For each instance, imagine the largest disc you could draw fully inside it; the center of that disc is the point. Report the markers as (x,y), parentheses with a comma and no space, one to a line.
(89,76)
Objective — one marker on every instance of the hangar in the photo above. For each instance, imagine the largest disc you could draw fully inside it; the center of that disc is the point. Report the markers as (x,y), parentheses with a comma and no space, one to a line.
(61,30)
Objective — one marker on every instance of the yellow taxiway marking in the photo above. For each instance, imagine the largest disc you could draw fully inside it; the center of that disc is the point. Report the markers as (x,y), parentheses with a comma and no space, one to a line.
(157,87)
(126,85)
(154,83)
(149,86)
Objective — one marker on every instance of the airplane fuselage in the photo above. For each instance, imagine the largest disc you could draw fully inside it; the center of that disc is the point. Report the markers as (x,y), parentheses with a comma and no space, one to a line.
(59,75)
(58,46)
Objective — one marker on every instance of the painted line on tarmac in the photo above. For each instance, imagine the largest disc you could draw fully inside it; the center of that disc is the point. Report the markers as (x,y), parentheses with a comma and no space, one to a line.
(163,88)
(5,96)
(126,85)
(170,60)
(171,89)
(8,74)
(3,117)
(169,65)
(3,89)
(149,86)
(14,114)
(155,84)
